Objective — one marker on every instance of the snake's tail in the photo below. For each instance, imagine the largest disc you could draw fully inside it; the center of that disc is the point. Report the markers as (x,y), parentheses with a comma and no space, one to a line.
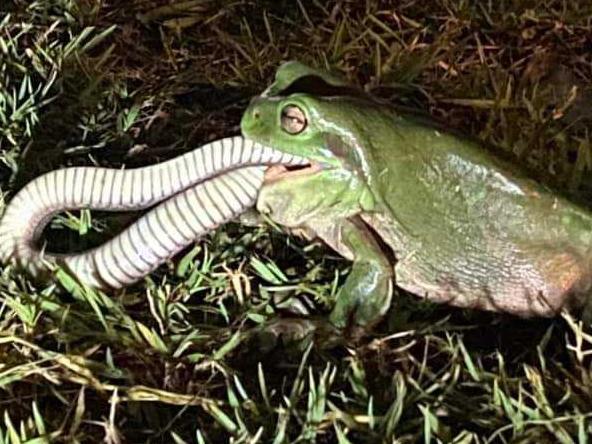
(116,190)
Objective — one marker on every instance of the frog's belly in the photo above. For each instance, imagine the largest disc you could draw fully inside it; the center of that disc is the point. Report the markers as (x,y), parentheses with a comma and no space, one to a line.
(497,275)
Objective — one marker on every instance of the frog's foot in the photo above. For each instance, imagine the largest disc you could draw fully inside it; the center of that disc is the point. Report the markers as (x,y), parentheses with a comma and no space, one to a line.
(296,332)
(363,300)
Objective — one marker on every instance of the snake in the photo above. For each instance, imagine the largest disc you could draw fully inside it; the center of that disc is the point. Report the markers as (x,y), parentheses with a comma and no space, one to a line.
(196,192)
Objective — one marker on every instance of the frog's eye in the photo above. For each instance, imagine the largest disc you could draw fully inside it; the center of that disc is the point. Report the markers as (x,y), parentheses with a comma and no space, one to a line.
(293,120)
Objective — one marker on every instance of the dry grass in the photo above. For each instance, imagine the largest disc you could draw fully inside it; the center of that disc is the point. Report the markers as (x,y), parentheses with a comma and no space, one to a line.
(173,360)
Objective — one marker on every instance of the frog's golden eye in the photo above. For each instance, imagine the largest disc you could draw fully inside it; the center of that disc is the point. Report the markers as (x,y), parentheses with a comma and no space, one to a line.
(293,120)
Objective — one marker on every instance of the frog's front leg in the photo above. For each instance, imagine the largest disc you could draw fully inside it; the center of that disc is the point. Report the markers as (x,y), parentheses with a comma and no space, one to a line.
(366,294)
(333,216)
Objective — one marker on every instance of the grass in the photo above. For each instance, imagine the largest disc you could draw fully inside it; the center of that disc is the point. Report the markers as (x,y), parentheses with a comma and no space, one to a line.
(176,360)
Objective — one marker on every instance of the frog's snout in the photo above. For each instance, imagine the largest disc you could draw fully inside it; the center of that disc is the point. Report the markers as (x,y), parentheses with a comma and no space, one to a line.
(252,117)
(254,110)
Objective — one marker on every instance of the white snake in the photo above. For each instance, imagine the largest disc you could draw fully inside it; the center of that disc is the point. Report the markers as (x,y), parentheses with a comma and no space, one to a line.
(203,189)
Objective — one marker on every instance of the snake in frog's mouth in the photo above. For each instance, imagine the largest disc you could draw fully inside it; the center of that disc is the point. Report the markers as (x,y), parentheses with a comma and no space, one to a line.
(190,195)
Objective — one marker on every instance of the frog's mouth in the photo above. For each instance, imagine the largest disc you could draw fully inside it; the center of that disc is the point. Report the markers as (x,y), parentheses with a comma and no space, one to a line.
(282,172)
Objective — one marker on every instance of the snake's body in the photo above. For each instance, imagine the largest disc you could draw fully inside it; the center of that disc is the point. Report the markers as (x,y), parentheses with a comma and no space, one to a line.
(203,189)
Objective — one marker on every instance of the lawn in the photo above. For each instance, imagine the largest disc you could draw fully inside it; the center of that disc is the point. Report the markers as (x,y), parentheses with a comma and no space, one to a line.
(184,356)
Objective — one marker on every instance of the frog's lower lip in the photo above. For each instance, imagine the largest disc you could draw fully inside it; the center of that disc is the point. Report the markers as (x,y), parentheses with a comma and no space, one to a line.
(282,172)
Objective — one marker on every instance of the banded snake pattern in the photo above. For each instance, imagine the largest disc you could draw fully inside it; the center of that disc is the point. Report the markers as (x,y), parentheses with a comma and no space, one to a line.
(201,189)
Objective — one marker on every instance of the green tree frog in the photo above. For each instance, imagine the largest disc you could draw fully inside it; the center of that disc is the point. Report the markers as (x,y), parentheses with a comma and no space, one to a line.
(414,205)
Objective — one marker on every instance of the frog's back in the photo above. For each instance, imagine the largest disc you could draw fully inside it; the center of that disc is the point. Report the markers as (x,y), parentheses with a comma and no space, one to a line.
(472,229)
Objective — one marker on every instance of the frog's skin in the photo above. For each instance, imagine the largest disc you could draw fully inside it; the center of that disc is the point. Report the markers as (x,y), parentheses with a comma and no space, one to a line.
(466,227)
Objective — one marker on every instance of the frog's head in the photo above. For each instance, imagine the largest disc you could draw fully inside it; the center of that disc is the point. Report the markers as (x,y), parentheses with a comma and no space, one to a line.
(311,114)
(291,125)
(320,129)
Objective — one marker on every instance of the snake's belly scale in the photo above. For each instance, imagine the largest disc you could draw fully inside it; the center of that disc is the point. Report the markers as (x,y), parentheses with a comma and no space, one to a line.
(204,188)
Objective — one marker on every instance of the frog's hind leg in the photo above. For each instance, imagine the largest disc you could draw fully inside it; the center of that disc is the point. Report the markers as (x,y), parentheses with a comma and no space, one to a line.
(536,280)
(567,283)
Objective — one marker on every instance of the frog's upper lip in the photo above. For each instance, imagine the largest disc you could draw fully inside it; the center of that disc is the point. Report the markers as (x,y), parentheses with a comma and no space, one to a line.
(282,172)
